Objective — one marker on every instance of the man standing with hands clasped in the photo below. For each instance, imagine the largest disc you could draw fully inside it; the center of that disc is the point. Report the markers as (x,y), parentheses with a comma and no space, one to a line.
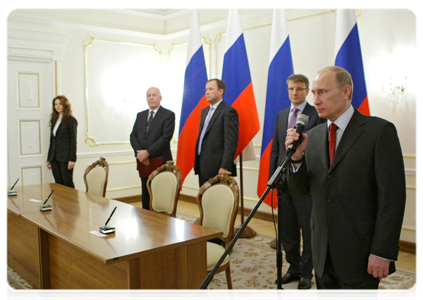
(353,167)
(151,135)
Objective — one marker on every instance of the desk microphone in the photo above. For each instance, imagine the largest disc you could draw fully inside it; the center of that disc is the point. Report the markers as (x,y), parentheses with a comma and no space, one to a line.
(45,207)
(12,192)
(108,229)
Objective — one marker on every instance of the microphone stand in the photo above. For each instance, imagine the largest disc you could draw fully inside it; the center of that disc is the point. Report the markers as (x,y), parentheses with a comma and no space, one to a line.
(275,180)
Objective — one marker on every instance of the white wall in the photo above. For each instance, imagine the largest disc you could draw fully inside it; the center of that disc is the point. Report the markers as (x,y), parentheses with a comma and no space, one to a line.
(388,41)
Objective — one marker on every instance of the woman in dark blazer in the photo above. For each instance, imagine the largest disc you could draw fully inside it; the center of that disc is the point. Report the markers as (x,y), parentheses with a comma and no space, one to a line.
(62,151)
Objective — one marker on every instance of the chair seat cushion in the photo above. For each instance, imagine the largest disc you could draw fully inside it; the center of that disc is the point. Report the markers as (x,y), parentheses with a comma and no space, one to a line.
(214,253)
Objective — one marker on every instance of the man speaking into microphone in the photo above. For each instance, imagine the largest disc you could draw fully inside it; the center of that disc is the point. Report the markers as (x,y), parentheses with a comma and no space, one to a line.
(296,209)
(353,167)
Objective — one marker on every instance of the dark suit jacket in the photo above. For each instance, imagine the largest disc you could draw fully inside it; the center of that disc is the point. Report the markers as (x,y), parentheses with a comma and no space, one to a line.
(63,145)
(219,143)
(358,202)
(278,150)
(157,140)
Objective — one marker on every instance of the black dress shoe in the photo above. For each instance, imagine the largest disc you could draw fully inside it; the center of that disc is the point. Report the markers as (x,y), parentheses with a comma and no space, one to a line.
(304,284)
(287,278)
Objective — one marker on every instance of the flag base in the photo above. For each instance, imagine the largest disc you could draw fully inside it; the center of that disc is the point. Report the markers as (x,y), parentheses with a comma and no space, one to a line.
(247,233)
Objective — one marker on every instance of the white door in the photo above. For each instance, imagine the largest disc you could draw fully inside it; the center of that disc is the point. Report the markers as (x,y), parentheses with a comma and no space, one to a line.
(30,92)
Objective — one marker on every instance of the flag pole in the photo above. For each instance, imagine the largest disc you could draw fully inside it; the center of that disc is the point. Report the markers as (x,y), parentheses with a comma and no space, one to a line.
(248,231)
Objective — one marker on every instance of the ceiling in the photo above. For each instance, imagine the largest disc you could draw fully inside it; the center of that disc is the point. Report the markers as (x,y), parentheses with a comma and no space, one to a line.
(161,12)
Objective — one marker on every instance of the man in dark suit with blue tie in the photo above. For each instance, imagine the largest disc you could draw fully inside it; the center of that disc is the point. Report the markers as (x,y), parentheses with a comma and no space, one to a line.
(295,209)
(151,135)
(218,137)
(354,169)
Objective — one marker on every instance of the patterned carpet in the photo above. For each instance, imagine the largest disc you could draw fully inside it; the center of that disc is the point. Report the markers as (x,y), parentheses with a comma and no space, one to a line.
(253,266)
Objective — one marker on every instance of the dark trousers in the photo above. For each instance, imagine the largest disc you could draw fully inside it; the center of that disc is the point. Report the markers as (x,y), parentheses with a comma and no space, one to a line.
(145,195)
(201,180)
(61,173)
(295,215)
(329,279)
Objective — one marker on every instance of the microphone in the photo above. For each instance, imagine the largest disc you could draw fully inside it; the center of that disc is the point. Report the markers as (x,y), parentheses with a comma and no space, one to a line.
(45,207)
(12,192)
(302,121)
(276,179)
(108,229)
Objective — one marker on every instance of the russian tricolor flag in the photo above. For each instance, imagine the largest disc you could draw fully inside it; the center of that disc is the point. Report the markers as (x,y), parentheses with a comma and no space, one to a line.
(347,47)
(239,88)
(193,101)
(280,68)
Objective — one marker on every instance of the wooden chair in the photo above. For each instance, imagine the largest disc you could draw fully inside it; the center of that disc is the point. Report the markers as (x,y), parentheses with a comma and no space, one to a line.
(218,204)
(164,185)
(96,176)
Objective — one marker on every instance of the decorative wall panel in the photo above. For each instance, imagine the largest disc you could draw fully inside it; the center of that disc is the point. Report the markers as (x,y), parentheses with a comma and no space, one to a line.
(29,90)
(30,137)
(118,75)
(31,175)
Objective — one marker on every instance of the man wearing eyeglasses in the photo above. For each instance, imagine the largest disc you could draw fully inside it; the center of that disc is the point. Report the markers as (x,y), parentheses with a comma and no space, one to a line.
(296,210)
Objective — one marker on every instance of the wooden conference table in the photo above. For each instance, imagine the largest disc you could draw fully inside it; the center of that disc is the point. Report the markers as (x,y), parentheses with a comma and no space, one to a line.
(55,249)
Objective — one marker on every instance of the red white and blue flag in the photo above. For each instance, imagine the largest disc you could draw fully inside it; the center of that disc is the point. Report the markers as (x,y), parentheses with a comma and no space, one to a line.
(280,68)
(239,88)
(193,101)
(348,56)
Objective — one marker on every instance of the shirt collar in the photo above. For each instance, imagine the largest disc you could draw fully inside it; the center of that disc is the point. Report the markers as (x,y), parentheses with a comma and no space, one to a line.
(216,104)
(155,110)
(300,107)
(343,119)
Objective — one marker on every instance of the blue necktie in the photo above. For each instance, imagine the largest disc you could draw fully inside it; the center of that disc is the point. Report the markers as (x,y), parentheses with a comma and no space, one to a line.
(203,132)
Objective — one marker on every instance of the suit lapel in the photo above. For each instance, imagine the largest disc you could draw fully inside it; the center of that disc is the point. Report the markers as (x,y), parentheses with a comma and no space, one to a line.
(204,113)
(214,117)
(143,121)
(59,130)
(350,136)
(308,110)
(322,145)
(285,119)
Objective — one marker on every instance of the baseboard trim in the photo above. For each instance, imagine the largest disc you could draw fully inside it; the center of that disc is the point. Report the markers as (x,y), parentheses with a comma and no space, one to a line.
(130,199)
(405,246)
(408,247)
(186,198)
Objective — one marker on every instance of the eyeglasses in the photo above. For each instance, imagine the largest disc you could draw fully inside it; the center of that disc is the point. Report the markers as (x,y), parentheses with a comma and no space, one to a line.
(296,89)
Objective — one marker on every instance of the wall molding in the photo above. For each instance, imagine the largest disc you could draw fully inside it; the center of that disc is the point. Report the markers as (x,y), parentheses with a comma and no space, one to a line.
(158,15)
(105,154)
(89,28)
(161,37)
(411,172)
(35,44)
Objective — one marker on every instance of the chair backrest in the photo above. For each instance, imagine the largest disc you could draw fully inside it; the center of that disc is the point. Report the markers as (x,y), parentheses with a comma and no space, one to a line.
(96,176)
(164,185)
(218,204)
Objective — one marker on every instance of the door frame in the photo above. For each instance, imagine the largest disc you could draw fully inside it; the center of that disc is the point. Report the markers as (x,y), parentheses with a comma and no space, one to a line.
(35,46)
